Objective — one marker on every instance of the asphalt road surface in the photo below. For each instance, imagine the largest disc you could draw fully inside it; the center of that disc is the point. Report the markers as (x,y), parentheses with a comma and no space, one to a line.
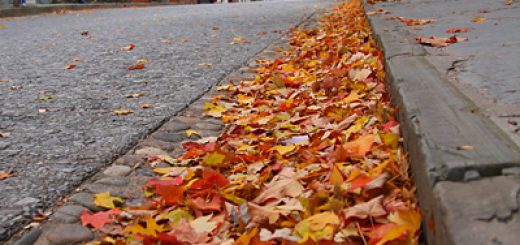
(60,122)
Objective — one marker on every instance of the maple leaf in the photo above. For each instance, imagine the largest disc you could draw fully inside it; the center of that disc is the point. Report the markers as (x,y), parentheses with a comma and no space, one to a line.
(360,146)
(247,237)
(105,200)
(288,187)
(99,219)
(184,233)
(409,219)
(372,208)
(151,228)
(70,67)
(215,159)
(317,227)
(384,233)
(203,224)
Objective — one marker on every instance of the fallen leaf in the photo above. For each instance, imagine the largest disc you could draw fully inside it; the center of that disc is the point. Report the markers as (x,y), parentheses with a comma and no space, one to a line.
(134,95)
(414,22)
(122,112)
(508,2)
(207,65)
(283,149)
(5,175)
(84,33)
(440,42)
(276,189)
(238,40)
(2,26)
(105,200)
(145,106)
(191,132)
(479,19)
(458,30)
(214,159)
(360,146)
(142,61)
(99,219)
(43,110)
(128,47)
(372,208)
(184,40)
(317,227)
(465,148)
(378,11)
(135,67)
(4,134)
(215,28)
(70,67)
(203,224)
(284,233)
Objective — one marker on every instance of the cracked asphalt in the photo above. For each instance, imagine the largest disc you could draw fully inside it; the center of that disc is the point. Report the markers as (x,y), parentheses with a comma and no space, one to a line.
(61,122)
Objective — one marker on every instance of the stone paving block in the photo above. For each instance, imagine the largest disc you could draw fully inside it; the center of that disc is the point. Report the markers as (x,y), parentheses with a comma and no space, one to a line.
(484,211)
(68,234)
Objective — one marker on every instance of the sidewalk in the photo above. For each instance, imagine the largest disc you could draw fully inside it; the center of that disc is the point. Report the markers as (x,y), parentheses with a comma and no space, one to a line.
(459,107)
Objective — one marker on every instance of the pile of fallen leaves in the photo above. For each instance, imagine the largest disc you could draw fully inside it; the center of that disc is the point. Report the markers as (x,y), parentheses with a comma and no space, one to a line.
(311,154)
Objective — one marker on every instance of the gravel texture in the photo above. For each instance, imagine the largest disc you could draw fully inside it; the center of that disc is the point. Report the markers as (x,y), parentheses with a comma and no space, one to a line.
(52,152)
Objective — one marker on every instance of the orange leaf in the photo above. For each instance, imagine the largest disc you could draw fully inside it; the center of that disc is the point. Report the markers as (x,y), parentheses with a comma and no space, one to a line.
(136,67)
(360,146)
(98,220)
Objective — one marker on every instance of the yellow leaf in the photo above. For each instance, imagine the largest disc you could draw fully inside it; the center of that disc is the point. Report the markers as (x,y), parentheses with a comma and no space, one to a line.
(122,112)
(317,227)
(409,219)
(106,200)
(162,171)
(244,99)
(191,132)
(390,139)
(215,159)
(214,110)
(245,239)
(336,178)
(142,61)
(283,149)
(479,19)
(354,96)
(245,148)
(151,228)
(391,235)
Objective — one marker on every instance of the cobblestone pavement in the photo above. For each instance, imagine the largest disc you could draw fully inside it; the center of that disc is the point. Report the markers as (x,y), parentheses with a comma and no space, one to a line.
(61,124)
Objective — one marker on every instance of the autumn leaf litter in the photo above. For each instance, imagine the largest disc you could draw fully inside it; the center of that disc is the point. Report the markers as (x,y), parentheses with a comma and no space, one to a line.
(311,154)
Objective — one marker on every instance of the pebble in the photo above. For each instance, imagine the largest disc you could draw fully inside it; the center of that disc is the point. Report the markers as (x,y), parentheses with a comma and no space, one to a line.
(85,200)
(64,234)
(64,218)
(117,170)
(170,137)
(150,151)
(30,237)
(208,126)
(72,210)
(117,181)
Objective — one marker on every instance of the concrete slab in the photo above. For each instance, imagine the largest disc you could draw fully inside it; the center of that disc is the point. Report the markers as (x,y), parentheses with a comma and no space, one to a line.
(478,212)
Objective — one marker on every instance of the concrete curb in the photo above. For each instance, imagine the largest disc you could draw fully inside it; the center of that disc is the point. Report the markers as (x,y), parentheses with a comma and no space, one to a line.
(49,8)
(437,121)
